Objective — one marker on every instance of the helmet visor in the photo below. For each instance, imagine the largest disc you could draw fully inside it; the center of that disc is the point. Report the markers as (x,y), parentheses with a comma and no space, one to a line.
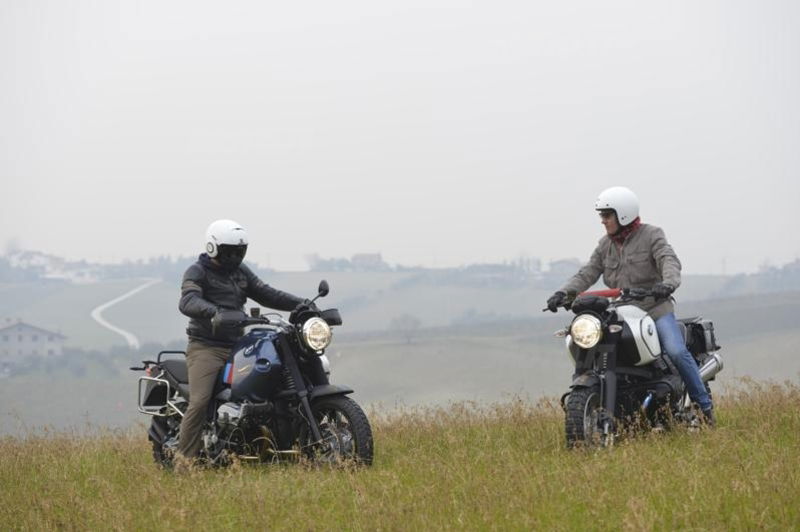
(231,256)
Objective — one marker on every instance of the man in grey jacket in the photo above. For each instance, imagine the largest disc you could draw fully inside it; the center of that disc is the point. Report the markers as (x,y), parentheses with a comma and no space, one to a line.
(218,284)
(637,255)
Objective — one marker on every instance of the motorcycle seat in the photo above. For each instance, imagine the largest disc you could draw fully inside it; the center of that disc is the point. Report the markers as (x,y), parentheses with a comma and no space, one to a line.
(177,369)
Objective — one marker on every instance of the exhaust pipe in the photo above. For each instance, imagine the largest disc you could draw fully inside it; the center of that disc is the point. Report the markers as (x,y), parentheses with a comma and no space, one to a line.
(711,367)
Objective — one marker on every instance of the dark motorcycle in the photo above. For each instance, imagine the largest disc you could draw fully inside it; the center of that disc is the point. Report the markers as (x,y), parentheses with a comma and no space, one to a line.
(272,401)
(621,376)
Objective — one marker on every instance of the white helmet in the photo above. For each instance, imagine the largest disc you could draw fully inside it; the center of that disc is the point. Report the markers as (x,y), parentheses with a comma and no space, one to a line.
(224,233)
(620,199)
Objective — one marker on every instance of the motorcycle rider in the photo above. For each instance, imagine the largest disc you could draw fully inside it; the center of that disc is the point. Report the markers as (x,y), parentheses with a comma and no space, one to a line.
(214,288)
(637,255)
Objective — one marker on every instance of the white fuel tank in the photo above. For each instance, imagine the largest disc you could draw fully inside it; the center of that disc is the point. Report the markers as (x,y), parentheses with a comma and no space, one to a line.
(644,332)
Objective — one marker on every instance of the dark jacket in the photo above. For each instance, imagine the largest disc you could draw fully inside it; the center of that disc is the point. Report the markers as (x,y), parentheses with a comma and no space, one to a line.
(645,258)
(206,288)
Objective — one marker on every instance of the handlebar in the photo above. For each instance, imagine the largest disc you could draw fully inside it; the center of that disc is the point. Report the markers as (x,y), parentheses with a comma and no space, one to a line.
(261,320)
(623,294)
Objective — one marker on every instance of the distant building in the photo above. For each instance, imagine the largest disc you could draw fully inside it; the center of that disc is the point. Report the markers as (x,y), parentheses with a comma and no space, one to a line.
(369,262)
(19,339)
(360,262)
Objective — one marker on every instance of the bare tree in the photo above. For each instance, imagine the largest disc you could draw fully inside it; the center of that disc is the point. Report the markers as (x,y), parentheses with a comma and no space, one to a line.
(407,325)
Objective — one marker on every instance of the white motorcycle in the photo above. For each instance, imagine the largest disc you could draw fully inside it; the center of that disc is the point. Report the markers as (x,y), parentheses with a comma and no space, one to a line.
(621,376)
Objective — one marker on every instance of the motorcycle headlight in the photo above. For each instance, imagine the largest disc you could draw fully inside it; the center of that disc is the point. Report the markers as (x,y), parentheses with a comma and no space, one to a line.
(316,334)
(586,331)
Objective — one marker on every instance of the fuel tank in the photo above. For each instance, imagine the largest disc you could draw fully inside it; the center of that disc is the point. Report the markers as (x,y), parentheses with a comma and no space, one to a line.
(255,370)
(643,330)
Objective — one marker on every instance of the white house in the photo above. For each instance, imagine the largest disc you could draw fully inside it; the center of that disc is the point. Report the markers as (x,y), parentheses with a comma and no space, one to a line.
(19,339)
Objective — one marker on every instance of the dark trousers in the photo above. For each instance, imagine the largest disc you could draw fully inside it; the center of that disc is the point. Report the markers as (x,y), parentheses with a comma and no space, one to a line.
(203,362)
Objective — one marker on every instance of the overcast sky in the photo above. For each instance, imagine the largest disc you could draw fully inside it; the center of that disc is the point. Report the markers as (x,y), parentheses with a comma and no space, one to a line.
(437,133)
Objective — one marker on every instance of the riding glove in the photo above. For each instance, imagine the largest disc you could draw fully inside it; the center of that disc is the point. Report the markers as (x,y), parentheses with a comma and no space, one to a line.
(226,319)
(662,290)
(556,300)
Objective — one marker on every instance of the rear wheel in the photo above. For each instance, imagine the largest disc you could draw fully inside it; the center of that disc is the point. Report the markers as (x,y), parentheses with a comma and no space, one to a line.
(584,419)
(163,451)
(346,434)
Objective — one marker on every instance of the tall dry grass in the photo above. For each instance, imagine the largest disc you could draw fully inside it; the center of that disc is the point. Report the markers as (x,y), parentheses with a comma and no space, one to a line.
(487,467)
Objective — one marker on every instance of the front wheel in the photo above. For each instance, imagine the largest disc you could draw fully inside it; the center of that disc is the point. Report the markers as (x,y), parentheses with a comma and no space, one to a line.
(584,420)
(345,430)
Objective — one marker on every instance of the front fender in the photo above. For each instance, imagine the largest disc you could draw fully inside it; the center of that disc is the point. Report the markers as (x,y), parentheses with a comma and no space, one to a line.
(329,389)
(585,380)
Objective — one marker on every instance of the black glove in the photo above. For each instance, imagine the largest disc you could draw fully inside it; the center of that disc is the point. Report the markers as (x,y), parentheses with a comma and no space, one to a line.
(306,305)
(556,300)
(662,290)
(226,318)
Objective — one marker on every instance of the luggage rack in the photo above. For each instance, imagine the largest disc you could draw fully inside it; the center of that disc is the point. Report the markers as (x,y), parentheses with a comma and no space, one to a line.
(155,393)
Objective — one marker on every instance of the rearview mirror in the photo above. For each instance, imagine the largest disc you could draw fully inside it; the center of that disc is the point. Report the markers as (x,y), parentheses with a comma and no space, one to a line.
(323,289)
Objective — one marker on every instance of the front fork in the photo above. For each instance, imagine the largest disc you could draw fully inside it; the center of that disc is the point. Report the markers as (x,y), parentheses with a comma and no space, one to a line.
(302,392)
(607,373)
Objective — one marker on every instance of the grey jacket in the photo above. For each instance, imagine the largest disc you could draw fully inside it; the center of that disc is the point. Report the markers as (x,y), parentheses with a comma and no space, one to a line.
(645,258)
(207,288)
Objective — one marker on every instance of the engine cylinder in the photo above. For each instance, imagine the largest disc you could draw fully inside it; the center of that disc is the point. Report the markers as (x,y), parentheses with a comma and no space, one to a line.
(228,413)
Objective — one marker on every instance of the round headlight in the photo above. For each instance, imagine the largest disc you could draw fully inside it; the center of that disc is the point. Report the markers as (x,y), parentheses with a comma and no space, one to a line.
(316,334)
(586,331)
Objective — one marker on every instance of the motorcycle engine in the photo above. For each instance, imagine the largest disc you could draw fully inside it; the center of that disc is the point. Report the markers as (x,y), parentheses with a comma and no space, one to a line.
(229,414)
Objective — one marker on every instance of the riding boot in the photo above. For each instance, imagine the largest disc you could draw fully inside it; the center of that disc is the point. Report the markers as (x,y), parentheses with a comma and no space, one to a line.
(708,417)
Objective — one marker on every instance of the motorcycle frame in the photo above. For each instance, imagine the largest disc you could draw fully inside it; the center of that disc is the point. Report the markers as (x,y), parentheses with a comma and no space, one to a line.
(307,386)
(598,366)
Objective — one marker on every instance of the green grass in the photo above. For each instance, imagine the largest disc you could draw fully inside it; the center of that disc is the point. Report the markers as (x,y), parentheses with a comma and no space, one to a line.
(472,466)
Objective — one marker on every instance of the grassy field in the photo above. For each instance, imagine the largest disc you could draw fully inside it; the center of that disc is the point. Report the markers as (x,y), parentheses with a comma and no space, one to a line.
(466,466)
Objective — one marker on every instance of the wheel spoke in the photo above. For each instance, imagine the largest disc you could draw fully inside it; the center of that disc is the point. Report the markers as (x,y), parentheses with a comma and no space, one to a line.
(344,430)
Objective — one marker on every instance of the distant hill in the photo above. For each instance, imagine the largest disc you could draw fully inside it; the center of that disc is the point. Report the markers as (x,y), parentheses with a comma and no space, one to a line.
(60,295)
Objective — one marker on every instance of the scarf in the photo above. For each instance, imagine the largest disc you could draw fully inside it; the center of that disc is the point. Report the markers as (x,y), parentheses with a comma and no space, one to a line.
(626,231)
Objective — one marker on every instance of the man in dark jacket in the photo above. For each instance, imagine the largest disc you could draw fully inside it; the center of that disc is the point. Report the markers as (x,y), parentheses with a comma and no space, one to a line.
(637,255)
(216,285)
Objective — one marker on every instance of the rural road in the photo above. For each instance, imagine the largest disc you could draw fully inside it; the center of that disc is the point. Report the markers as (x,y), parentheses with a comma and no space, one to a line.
(97,313)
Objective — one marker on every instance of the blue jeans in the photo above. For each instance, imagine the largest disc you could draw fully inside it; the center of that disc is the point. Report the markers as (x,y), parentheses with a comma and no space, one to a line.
(672,343)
